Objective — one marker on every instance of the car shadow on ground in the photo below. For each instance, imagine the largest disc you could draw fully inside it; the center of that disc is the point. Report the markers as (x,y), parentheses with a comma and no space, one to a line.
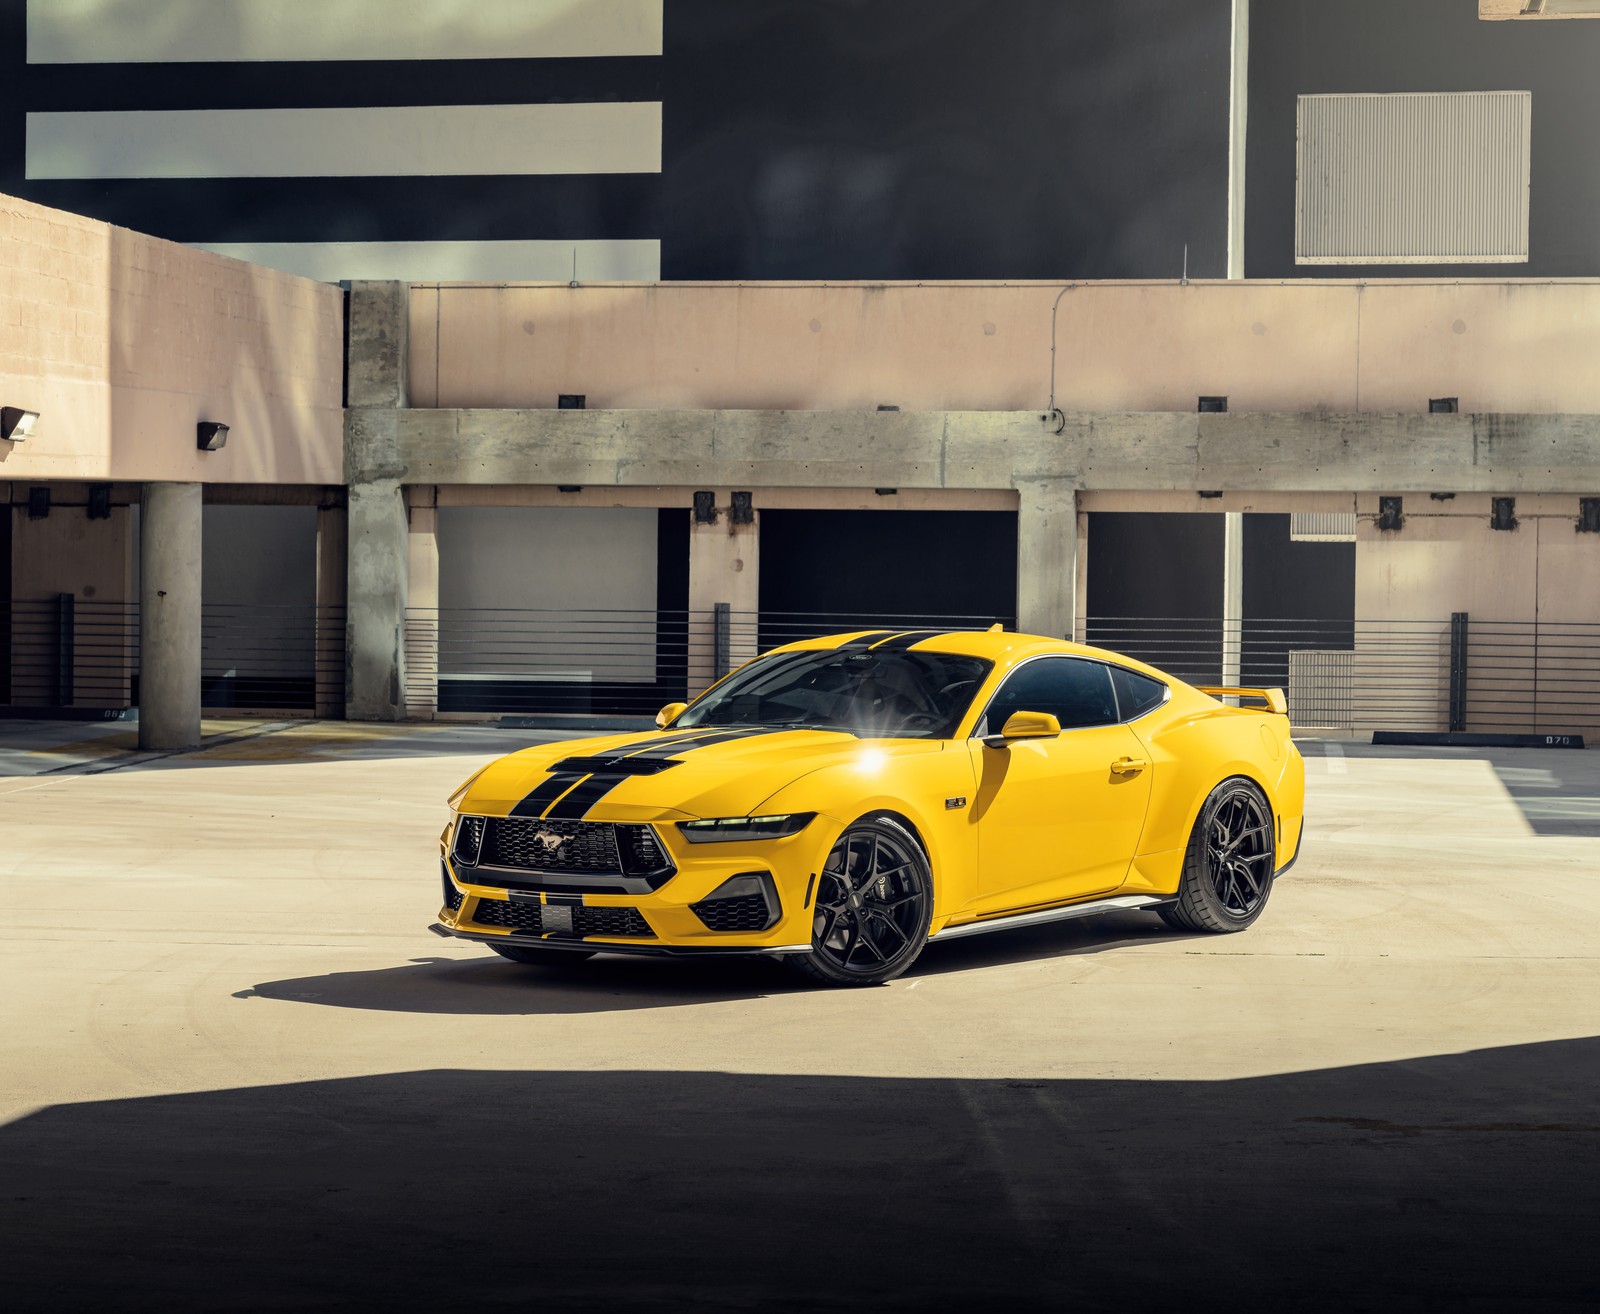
(1445,1182)
(489,986)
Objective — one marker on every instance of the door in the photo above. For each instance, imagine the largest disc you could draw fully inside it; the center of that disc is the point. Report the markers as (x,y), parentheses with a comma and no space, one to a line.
(1058,819)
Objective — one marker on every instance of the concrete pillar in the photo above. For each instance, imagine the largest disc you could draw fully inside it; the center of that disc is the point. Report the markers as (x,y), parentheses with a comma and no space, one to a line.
(724,566)
(378,546)
(332,568)
(375,609)
(422,623)
(1238,123)
(1047,551)
(169,616)
(1232,595)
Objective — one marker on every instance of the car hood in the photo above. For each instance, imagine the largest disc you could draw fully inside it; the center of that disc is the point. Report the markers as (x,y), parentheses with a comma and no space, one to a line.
(702,773)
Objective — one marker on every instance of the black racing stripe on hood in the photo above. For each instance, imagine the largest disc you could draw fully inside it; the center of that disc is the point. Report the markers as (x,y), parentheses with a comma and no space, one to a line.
(572,806)
(576,805)
(546,794)
(703,739)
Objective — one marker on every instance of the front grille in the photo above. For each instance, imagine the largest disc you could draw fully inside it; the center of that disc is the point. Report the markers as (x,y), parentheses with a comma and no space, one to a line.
(452,896)
(517,916)
(615,922)
(534,845)
(748,912)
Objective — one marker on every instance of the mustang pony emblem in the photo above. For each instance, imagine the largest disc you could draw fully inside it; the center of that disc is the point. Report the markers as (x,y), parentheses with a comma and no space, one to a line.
(548,840)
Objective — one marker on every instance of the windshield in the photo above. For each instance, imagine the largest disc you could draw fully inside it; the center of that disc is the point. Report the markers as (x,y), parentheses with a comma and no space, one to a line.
(888,695)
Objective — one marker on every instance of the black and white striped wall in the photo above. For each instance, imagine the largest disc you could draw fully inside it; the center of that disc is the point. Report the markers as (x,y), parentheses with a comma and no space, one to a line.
(503,140)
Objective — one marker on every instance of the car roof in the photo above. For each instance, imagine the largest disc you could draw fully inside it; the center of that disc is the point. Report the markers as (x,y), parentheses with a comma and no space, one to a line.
(1005,648)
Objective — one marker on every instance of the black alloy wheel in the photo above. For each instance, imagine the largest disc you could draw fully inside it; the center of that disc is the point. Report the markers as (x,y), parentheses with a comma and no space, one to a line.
(1229,865)
(874,901)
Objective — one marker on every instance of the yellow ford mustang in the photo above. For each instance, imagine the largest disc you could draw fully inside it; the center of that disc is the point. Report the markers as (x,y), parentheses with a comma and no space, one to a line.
(840,802)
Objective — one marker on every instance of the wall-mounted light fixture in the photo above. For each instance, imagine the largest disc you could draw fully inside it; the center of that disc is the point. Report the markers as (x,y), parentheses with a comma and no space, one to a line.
(38,501)
(742,509)
(210,436)
(1391,513)
(1589,515)
(882,407)
(1213,405)
(1210,494)
(99,501)
(1443,405)
(1503,513)
(705,508)
(885,492)
(16,424)
(572,401)
(569,488)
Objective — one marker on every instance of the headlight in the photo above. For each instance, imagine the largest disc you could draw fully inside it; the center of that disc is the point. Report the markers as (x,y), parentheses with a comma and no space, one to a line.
(723,830)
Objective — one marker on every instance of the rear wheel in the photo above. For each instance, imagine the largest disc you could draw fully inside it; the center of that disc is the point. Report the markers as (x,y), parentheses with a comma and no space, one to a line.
(540,956)
(1228,866)
(874,902)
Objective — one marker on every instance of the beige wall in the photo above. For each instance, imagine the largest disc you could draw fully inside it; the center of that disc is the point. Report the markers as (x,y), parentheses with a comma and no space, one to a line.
(1447,559)
(123,342)
(1298,346)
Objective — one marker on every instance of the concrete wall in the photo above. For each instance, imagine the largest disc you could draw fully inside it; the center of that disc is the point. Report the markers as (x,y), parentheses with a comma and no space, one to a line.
(123,342)
(1307,346)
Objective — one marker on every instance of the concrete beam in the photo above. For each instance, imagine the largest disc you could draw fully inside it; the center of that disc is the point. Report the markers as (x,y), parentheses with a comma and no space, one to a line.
(169,616)
(1141,451)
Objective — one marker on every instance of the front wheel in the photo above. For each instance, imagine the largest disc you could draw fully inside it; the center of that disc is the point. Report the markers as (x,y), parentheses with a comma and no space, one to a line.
(874,903)
(539,956)
(1229,864)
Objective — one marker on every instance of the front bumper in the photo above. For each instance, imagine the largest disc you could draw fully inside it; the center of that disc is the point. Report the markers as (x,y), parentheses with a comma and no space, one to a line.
(668,922)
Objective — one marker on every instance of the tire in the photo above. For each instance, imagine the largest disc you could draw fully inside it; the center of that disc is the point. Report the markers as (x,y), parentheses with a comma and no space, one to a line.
(539,956)
(1229,864)
(874,903)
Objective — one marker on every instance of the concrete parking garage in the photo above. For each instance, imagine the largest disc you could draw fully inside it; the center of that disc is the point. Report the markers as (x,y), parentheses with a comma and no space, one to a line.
(239,1074)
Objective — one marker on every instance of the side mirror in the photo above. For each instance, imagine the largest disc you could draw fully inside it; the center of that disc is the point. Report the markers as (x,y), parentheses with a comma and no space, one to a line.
(668,714)
(1025,725)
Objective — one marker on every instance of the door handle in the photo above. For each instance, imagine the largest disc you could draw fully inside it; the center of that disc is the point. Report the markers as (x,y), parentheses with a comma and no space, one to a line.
(1127,766)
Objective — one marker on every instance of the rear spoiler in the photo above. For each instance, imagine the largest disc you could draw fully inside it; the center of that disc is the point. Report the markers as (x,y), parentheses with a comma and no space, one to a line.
(1273,698)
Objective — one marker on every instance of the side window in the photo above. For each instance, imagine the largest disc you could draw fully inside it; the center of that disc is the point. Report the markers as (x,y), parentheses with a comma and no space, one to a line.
(1136,694)
(1076,693)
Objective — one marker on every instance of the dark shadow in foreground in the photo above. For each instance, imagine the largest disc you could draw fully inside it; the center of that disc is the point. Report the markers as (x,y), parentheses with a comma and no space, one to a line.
(1437,1183)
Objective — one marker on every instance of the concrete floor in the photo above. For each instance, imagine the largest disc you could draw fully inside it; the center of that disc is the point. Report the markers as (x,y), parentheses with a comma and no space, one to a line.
(236,1073)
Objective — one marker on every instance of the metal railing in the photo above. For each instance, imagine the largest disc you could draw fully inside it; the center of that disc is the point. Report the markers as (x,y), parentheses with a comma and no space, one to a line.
(68,653)
(1451,674)
(71,656)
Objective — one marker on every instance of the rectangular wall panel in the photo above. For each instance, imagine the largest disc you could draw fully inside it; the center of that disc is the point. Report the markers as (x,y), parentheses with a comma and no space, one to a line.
(1435,178)
(456,262)
(221,31)
(401,141)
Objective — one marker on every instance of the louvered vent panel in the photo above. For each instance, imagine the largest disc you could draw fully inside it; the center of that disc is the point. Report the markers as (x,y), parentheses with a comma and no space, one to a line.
(1322,527)
(1436,178)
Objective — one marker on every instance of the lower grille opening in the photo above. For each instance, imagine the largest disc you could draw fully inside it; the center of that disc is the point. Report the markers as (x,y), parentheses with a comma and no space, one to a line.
(618,923)
(748,912)
(452,896)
